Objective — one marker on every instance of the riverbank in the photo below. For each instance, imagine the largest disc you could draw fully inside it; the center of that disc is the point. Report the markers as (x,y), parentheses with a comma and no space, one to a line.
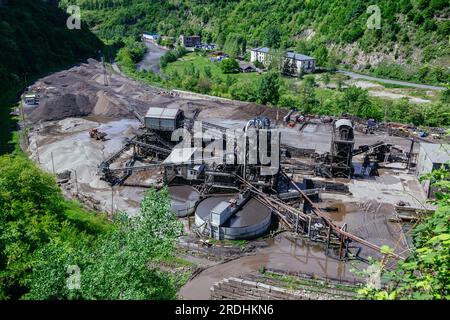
(151,59)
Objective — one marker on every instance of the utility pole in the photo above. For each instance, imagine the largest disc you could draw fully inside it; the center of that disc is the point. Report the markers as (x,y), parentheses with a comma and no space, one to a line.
(112,201)
(76,181)
(105,75)
(411,149)
(37,151)
(53,163)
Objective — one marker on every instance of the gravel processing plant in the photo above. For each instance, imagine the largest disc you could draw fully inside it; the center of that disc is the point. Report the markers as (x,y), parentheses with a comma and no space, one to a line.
(338,193)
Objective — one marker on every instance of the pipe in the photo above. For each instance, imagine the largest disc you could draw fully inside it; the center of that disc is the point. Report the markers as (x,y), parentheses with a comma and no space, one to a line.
(334,227)
(244,173)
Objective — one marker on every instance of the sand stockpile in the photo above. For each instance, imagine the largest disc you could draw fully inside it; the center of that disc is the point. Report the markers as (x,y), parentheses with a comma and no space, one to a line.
(64,106)
(109,107)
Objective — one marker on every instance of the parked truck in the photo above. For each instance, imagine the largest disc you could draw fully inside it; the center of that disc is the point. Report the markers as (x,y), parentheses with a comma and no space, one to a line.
(96,134)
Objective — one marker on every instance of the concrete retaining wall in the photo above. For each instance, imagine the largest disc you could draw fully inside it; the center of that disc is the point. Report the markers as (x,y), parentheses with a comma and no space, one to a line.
(235,288)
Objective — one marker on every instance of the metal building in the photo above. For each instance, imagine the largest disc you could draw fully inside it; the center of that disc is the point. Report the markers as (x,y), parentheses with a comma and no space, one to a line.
(431,157)
(163,119)
(342,148)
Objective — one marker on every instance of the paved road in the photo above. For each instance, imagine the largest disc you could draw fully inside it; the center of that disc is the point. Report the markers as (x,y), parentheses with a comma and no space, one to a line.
(402,83)
(151,58)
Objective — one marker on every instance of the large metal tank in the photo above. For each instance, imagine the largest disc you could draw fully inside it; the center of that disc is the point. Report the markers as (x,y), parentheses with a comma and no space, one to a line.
(183,200)
(251,221)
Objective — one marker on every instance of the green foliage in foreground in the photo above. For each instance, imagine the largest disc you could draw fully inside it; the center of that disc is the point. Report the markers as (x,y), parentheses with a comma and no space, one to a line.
(42,236)
(117,265)
(425,275)
(33,213)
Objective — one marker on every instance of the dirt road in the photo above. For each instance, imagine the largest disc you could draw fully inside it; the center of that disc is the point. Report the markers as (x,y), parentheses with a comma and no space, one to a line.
(401,83)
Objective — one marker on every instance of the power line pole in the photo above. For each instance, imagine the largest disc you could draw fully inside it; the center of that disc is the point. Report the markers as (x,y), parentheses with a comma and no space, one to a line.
(37,152)
(112,201)
(76,181)
(53,163)
(105,75)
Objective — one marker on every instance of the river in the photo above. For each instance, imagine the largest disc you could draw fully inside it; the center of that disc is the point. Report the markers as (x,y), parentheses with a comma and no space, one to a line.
(151,58)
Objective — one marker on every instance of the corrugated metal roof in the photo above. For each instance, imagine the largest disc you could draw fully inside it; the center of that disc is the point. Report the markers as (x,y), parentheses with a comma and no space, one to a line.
(245,65)
(262,49)
(162,113)
(298,56)
(437,153)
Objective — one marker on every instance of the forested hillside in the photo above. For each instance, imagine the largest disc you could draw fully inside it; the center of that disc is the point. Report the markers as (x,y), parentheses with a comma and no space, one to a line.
(412,43)
(34,39)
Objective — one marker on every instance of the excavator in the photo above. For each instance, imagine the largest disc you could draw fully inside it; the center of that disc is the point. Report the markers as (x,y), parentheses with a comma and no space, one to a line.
(98,135)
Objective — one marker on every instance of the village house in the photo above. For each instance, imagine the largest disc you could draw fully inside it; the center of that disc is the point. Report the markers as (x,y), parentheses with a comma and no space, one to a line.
(292,62)
(190,41)
(246,67)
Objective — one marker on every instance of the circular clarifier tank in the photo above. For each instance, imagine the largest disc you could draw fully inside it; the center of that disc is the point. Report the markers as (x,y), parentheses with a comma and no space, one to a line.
(183,200)
(251,221)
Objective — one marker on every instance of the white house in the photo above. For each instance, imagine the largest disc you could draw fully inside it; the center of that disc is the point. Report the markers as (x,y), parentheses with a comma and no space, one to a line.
(260,54)
(292,63)
(431,156)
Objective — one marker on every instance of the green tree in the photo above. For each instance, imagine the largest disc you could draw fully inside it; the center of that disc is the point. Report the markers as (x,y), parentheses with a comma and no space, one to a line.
(356,101)
(243,91)
(445,96)
(229,65)
(122,264)
(204,85)
(272,37)
(339,82)
(221,38)
(269,88)
(307,94)
(321,55)
(325,79)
